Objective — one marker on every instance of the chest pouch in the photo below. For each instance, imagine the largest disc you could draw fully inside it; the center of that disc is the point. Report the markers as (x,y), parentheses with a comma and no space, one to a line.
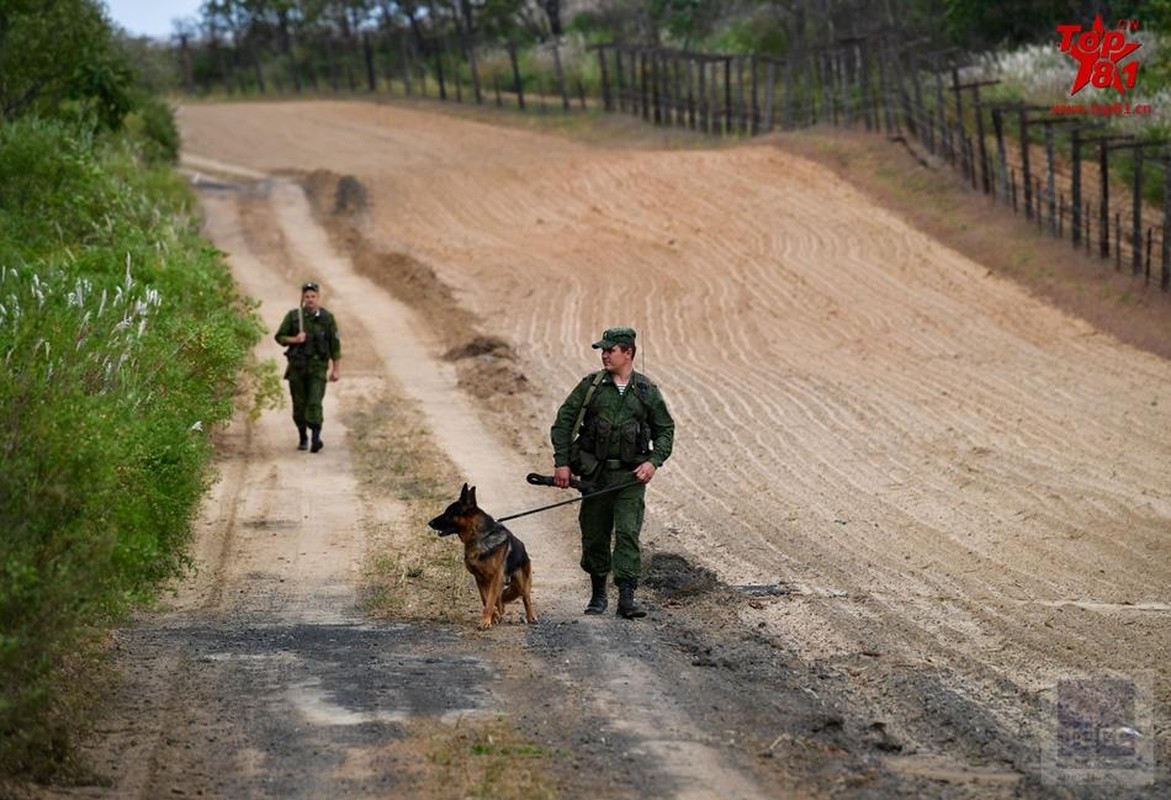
(632,442)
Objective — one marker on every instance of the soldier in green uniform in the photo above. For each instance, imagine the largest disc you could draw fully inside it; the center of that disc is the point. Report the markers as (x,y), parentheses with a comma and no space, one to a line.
(311,336)
(614,428)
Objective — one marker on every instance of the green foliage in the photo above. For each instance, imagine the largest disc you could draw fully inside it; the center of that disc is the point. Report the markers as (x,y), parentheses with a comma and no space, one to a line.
(748,35)
(120,335)
(1124,166)
(679,18)
(154,121)
(57,51)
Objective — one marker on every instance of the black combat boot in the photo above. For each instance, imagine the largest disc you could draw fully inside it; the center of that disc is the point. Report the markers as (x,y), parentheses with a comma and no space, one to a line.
(317,443)
(303,444)
(598,598)
(627,608)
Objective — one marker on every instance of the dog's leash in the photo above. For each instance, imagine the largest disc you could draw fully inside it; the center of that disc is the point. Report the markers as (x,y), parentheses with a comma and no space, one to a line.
(586,489)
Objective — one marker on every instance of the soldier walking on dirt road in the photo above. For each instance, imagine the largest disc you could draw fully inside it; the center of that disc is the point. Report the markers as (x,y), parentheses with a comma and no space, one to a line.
(310,334)
(613,428)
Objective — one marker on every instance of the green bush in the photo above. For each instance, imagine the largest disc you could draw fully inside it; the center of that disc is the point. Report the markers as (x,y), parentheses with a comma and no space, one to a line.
(154,121)
(120,334)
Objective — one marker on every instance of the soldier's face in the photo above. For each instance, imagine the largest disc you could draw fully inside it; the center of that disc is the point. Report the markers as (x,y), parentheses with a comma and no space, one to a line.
(615,359)
(309,300)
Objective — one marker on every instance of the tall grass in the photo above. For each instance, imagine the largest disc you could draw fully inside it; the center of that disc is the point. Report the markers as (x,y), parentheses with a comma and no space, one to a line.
(1042,74)
(121,339)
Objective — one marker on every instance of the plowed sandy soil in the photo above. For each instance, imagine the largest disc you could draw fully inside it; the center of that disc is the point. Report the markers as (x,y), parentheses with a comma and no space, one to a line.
(915,520)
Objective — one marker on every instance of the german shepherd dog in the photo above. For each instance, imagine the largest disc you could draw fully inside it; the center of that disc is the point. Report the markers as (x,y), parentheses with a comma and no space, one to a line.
(497,559)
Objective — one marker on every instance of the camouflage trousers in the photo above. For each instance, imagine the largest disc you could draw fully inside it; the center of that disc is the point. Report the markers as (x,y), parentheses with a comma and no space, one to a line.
(610,527)
(307,389)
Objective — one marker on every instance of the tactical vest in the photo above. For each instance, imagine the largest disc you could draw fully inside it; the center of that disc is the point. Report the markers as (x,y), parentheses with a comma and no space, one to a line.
(631,443)
(317,347)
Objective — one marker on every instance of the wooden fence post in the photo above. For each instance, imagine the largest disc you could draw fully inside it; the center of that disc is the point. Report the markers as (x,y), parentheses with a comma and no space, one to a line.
(1001,150)
(787,117)
(705,116)
(810,86)
(1104,180)
(770,81)
(656,97)
(368,52)
(439,70)
(517,83)
(1026,172)
(1076,188)
(754,126)
(637,96)
(728,121)
(1136,231)
(644,86)
(1117,242)
(884,91)
(927,130)
(607,102)
(941,109)
(985,178)
(690,64)
(1050,177)
(741,105)
(619,78)
(869,104)
(1165,273)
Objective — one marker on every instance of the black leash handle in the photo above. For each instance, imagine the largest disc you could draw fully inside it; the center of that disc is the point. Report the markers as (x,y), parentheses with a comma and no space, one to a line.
(586,490)
(537,479)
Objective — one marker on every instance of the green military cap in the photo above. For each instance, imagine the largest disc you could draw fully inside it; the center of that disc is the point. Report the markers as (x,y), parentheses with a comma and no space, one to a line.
(615,336)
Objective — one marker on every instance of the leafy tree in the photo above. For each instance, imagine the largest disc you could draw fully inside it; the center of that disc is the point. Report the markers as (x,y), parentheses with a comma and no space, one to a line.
(58,57)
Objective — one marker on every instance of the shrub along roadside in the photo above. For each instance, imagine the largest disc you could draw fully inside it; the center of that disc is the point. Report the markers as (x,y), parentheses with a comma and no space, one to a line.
(123,341)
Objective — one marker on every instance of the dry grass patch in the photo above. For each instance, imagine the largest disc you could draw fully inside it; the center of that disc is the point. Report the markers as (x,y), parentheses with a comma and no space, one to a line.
(411,573)
(477,757)
(484,758)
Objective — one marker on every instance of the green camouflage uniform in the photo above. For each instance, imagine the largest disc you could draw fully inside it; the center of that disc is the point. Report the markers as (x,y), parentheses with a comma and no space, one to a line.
(308,368)
(610,415)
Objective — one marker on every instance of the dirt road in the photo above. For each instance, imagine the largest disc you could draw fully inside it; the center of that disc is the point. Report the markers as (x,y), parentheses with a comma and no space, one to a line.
(913,541)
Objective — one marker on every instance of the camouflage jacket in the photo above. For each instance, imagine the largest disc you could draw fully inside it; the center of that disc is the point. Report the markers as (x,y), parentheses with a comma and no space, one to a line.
(323,343)
(612,418)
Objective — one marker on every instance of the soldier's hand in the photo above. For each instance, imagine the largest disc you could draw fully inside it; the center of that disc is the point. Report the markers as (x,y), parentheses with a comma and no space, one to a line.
(645,471)
(561,477)
(335,374)
(298,339)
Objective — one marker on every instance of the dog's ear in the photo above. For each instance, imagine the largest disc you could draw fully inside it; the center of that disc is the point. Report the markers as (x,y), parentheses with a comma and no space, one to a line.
(463,494)
(472,497)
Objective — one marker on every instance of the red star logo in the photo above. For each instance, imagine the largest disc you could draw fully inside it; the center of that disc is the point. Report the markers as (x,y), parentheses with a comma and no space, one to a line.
(1098,51)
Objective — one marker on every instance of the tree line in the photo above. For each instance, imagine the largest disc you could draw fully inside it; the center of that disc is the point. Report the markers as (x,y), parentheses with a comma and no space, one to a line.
(227,35)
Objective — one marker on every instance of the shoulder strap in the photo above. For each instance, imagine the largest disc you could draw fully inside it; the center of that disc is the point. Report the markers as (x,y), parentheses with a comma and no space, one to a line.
(586,403)
(643,386)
